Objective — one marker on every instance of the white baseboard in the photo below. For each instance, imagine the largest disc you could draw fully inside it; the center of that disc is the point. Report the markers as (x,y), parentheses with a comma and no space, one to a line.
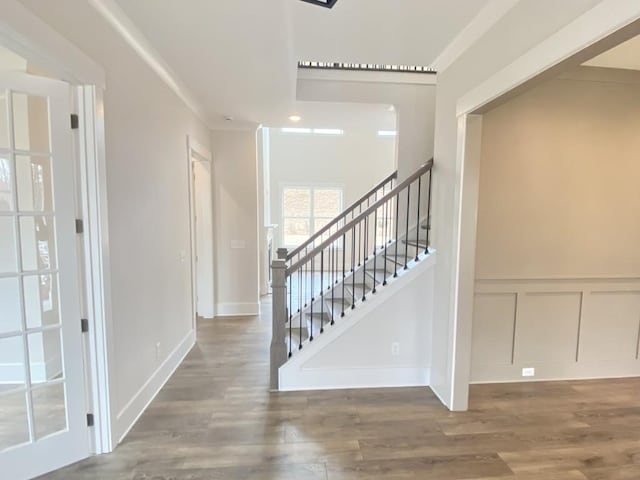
(13,373)
(237,309)
(128,416)
(341,378)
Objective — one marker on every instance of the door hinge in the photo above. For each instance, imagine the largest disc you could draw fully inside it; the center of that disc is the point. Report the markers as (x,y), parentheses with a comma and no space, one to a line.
(90,420)
(79,225)
(84,325)
(75,121)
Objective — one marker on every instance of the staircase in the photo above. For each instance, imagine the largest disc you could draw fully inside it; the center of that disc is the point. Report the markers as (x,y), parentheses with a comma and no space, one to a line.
(355,256)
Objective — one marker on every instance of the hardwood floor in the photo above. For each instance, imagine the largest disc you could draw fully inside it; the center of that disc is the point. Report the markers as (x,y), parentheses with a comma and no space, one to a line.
(215,419)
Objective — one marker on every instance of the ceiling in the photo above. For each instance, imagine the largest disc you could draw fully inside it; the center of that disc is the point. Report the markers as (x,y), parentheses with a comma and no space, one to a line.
(345,116)
(626,56)
(238,57)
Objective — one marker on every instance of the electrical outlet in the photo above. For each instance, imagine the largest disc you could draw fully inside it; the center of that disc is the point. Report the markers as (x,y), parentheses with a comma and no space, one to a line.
(395,349)
(528,372)
(157,350)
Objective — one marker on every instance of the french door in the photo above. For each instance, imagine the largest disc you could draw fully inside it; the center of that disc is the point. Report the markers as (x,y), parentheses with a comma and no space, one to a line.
(42,391)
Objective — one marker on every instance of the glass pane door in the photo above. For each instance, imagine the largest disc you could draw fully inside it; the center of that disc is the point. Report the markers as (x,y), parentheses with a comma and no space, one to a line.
(40,350)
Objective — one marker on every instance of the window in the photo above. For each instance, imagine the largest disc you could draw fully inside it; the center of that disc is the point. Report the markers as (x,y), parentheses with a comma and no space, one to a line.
(306,209)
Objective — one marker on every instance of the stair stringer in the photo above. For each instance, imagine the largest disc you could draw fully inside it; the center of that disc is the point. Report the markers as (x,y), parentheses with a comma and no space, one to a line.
(356,351)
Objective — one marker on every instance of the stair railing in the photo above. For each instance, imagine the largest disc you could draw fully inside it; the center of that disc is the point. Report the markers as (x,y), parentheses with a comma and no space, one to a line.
(346,215)
(335,270)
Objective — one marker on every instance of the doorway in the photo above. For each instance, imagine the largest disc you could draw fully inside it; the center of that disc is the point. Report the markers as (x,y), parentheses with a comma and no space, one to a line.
(201,229)
(42,378)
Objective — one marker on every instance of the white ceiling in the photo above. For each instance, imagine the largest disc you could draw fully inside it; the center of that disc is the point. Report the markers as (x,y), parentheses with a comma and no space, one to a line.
(626,56)
(238,57)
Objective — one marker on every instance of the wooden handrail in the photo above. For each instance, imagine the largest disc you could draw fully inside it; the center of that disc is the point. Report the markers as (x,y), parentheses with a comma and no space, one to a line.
(399,188)
(342,215)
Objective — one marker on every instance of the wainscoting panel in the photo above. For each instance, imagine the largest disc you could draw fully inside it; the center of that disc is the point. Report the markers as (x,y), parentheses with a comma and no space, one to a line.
(493,328)
(610,326)
(562,328)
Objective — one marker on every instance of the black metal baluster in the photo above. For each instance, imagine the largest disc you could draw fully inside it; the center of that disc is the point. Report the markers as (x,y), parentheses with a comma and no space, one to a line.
(386,243)
(353,270)
(322,291)
(406,233)
(359,243)
(312,300)
(364,268)
(426,250)
(395,266)
(417,259)
(290,285)
(300,306)
(333,286)
(344,276)
(375,248)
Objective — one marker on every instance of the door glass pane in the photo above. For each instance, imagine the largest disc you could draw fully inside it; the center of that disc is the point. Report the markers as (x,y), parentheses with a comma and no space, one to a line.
(326,202)
(31,122)
(12,358)
(33,176)
(38,246)
(8,260)
(45,356)
(297,202)
(6,184)
(9,306)
(41,300)
(4,120)
(49,413)
(14,426)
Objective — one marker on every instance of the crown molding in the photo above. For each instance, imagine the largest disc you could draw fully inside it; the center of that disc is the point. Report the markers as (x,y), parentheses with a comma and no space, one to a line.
(124,26)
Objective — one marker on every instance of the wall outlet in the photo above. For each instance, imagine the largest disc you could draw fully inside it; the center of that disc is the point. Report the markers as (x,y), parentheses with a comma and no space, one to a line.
(395,349)
(157,350)
(528,372)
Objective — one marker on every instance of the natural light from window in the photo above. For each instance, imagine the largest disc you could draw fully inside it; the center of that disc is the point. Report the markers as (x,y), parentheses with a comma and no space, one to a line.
(306,209)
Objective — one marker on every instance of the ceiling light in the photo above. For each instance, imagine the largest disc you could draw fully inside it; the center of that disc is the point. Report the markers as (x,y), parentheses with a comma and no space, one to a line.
(387,133)
(295,118)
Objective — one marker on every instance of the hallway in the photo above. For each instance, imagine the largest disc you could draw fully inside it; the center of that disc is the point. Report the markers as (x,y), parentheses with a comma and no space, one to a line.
(215,419)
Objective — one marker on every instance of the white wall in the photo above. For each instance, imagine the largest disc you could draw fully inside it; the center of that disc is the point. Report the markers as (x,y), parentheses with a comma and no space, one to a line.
(235,211)
(414,104)
(355,161)
(558,268)
(146,127)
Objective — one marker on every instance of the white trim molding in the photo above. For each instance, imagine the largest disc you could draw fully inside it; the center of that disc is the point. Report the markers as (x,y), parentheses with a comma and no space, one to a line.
(118,19)
(135,407)
(481,24)
(30,37)
(596,25)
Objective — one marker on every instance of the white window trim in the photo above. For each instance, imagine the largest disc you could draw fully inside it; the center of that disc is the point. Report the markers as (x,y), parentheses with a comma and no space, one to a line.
(306,185)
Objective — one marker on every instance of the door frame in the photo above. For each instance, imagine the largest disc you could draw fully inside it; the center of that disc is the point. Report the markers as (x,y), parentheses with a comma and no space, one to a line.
(27,35)
(196,150)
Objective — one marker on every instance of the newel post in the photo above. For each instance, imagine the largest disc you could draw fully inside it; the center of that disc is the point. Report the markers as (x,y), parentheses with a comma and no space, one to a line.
(278,319)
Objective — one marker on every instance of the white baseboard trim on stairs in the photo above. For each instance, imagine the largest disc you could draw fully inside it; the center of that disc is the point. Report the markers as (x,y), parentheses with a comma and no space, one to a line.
(340,378)
(131,412)
(237,309)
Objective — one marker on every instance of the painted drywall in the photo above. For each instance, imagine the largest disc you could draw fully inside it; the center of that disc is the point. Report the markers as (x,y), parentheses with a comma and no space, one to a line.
(235,211)
(522,28)
(414,104)
(146,127)
(399,313)
(354,162)
(558,203)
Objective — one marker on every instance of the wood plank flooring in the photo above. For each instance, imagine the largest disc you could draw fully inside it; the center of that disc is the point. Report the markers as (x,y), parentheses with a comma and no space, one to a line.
(215,419)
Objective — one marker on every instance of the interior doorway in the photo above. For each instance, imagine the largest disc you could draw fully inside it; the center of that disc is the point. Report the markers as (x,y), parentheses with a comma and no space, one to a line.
(43,406)
(201,229)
